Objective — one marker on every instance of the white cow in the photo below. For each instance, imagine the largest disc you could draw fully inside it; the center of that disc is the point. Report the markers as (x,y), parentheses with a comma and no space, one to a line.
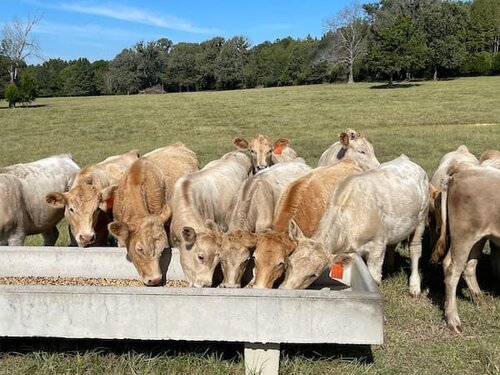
(23,210)
(366,213)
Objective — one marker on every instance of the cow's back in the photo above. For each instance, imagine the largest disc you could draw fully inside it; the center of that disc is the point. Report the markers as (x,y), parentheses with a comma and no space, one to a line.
(461,154)
(174,161)
(304,200)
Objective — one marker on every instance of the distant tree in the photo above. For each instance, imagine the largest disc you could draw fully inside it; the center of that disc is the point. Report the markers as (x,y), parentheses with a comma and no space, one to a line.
(152,60)
(445,27)
(48,77)
(396,47)
(124,77)
(485,19)
(206,58)
(349,32)
(78,78)
(230,63)
(4,73)
(182,73)
(101,69)
(17,44)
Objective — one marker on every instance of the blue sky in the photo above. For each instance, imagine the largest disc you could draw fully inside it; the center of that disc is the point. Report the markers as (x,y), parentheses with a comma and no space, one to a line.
(101,29)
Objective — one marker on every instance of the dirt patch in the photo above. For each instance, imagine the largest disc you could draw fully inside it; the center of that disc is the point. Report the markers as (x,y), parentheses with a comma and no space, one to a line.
(87,281)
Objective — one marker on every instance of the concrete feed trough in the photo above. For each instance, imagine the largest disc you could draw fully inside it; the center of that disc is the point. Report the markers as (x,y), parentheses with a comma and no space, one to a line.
(262,319)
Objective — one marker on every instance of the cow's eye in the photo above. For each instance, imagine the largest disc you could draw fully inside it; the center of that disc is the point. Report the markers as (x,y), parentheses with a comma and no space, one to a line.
(72,210)
(252,151)
(362,152)
(140,249)
(270,151)
(280,264)
(201,257)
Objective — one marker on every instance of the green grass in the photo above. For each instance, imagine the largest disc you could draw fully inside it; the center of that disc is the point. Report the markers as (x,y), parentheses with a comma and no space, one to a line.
(423,121)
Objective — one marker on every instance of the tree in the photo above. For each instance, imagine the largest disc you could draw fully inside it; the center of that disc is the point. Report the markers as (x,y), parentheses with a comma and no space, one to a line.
(28,90)
(230,62)
(182,73)
(12,95)
(78,78)
(485,17)
(349,36)
(124,73)
(17,44)
(152,60)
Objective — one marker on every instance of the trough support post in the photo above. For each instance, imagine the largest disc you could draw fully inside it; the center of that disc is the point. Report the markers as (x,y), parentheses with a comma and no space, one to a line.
(262,359)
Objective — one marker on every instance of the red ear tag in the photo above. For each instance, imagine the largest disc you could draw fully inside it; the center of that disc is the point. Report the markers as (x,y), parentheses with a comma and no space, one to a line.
(109,202)
(277,149)
(337,271)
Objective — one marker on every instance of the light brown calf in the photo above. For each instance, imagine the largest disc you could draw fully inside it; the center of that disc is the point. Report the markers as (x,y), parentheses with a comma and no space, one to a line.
(263,153)
(87,207)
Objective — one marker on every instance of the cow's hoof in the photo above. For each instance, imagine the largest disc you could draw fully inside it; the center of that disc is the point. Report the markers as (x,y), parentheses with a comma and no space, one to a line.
(414,295)
(478,298)
(455,328)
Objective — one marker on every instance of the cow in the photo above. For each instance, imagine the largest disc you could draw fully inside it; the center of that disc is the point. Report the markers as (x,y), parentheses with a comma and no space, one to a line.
(490,158)
(304,201)
(460,155)
(263,153)
(141,207)
(200,203)
(22,198)
(351,145)
(86,208)
(253,212)
(472,216)
(366,213)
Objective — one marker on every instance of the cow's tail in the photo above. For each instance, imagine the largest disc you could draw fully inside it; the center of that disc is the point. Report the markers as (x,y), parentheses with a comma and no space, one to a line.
(440,246)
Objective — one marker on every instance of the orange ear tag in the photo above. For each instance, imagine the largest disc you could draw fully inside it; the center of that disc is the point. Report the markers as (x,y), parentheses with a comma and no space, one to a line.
(337,271)
(277,149)
(109,202)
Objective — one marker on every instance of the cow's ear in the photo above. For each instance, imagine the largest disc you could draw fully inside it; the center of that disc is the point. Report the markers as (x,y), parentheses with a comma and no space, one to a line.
(119,230)
(210,224)
(294,232)
(344,139)
(240,143)
(189,236)
(165,213)
(107,197)
(58,200)
(283,142)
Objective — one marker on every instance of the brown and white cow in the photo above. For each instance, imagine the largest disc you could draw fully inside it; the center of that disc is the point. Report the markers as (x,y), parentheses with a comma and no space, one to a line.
(141,207)
(304,201)
(200,203)
(365,214)
(473,216)
(490,158)
(253,211)
(87,209)
(351,145)
(23,187)
(264,153)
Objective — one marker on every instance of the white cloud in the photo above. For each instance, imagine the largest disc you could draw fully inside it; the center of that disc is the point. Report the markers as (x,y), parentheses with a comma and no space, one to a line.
(136,15)
(89,30)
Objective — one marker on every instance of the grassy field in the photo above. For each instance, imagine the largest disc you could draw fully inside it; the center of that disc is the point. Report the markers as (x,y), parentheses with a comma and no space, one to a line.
(423,121)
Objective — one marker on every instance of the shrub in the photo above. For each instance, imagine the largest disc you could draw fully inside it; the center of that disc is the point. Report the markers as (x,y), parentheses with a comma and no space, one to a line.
(478,64)
(495,63)
(12,95)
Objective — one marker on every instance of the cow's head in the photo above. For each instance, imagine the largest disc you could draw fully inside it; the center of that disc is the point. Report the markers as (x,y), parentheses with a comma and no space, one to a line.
(261,150)
(145,242)
(270,255)
(200,253)
(235,252)
(356,147)
(82,204)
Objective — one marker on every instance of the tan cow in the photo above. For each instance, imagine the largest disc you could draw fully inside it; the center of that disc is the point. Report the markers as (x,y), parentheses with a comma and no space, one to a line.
(140,211)
(351,145)
(490,158)
(87,209)
(460,155)
(253,212)
(142,206)
(304,201)
(365,214)
(473,216)
(23,187)
(200,205)
(263,153)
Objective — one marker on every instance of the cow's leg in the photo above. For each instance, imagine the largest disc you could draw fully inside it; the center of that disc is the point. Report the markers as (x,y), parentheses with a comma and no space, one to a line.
(458,256)
(470,271)
(50,236)
(375,252)
(415,253)
(17,238)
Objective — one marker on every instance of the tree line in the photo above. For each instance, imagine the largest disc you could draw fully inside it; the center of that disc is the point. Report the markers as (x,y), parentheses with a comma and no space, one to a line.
(386,40)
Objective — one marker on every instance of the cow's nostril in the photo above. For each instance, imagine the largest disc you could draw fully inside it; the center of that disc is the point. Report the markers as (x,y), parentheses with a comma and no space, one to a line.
(152,281)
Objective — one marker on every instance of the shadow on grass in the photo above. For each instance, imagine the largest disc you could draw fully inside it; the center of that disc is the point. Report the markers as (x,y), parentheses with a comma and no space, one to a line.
(359,353)
(26,106)
(395,86)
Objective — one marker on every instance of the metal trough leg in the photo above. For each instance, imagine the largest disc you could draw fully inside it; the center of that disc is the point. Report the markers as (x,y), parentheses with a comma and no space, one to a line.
(262,359)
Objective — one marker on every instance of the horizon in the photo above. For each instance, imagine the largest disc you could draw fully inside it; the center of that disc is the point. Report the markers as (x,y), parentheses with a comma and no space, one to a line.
(100,30)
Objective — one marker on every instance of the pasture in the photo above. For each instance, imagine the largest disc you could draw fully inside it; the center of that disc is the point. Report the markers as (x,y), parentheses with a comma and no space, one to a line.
(424,121)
